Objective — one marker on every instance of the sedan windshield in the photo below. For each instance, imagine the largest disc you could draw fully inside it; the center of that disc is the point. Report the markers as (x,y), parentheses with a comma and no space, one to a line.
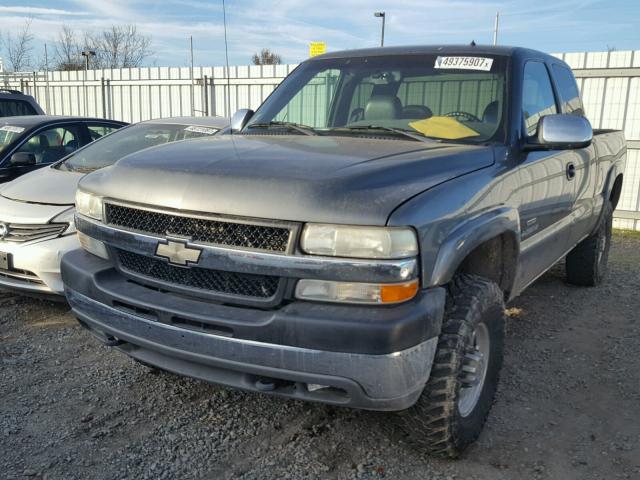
(454,98)
(108,150)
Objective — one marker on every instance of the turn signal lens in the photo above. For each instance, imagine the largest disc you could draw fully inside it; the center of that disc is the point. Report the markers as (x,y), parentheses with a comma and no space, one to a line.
(352,292)
(398,293)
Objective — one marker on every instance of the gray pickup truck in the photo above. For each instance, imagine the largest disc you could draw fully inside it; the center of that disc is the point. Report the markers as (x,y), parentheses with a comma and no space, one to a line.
(354,240)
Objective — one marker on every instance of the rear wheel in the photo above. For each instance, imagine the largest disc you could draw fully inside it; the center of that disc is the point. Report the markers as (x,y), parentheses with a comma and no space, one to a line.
(450,413)
(586,264)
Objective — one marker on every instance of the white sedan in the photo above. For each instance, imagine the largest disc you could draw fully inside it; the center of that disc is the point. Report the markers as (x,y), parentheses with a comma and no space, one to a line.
(37,209)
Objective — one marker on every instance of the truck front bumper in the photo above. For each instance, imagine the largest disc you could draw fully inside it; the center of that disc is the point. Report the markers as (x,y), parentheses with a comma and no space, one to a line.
(370,357)
(378,382)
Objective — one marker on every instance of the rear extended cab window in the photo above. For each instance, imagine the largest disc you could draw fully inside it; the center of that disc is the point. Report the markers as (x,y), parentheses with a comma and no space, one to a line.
(568,90)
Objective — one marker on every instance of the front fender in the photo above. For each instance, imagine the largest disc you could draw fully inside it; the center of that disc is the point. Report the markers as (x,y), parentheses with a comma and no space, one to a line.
(467,237)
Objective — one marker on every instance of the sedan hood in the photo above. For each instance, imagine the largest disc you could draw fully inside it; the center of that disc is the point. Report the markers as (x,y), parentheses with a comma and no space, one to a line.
(12,211)
(291,177)
(47,186)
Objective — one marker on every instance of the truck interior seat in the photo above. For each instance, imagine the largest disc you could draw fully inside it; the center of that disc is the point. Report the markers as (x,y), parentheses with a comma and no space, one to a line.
(382,107)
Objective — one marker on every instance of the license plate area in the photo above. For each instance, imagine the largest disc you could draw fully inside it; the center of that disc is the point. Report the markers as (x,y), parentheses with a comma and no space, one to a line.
(5,261)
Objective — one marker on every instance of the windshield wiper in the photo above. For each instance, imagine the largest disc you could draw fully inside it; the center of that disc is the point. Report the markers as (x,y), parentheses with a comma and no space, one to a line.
(304,129)
(400,131)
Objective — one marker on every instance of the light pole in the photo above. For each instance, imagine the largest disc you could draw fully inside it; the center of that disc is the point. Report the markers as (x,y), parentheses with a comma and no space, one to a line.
(86,54)
(382,15)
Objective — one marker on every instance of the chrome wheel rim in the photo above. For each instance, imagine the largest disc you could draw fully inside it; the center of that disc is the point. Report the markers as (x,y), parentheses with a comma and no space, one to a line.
(474,370)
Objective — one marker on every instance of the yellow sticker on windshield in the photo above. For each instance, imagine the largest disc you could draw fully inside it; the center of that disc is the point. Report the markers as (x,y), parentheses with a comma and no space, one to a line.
(443,127)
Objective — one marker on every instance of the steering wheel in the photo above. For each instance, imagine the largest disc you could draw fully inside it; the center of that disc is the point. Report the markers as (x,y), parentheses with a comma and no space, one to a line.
(459,114)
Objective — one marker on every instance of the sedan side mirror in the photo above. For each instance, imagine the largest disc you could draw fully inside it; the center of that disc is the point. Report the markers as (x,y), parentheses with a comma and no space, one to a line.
(240,119)
(23,159)
(562,132)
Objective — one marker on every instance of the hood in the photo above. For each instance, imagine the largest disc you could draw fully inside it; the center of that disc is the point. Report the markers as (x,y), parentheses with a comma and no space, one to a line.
(47,186)
(293,177)
(12,211)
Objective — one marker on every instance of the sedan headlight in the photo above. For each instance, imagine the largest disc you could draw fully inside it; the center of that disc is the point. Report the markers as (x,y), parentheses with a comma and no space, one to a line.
(359,242)
(67,217)
(89,205)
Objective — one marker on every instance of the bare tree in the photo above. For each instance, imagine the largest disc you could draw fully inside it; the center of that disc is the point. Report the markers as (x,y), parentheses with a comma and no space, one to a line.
(120,47)
(266,57)
(19,47)
(68,50)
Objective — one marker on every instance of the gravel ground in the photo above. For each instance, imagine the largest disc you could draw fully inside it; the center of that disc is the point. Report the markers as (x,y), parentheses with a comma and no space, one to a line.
(566,408)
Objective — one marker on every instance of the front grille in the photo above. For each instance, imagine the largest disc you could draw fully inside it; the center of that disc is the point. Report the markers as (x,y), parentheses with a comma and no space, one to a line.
(217,232)
(21,275)
(22,232)
(214,281)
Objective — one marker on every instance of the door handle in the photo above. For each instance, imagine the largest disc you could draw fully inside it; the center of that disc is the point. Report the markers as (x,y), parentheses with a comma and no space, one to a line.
(571,171)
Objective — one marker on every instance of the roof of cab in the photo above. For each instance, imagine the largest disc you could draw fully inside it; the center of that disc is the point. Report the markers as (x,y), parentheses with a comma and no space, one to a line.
(437,50)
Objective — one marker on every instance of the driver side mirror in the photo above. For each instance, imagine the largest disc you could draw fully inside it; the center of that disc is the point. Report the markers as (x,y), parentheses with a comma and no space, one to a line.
(240,119)
(22,159)
(562,132)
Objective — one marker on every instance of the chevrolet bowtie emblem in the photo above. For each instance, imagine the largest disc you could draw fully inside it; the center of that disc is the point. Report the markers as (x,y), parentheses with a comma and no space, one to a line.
(178,253)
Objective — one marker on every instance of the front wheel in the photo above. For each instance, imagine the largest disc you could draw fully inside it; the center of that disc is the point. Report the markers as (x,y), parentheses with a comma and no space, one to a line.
(450,413)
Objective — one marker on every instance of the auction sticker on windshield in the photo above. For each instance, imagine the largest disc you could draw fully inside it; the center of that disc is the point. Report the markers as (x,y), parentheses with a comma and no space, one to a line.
(202,130)
(9,128)
(464,63)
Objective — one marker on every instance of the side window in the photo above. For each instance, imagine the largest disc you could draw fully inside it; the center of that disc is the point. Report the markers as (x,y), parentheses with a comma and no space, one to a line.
(568,90)
(537,96)
(52,144)
(15,108)
(97,131)
(311,105)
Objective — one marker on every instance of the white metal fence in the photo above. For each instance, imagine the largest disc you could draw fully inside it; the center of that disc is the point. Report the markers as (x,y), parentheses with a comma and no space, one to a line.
(609,82)
(610,87)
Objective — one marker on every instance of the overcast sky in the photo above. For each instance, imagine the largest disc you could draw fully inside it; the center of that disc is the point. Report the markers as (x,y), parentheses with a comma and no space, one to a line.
(287,26)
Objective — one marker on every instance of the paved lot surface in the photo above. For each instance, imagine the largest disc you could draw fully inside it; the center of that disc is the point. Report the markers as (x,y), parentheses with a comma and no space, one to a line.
(567,407)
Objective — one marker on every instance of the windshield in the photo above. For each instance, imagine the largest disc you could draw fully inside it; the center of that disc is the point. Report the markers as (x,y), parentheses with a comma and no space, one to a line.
(450,97)
(8,134)
(113,147)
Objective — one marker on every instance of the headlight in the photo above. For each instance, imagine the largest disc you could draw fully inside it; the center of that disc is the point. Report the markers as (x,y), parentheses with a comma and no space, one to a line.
(89,205)
(359,242)
(67,217)
(352,292)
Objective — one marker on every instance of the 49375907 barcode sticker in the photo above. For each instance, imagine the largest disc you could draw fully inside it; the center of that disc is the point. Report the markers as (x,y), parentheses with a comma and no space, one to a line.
(464,63)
